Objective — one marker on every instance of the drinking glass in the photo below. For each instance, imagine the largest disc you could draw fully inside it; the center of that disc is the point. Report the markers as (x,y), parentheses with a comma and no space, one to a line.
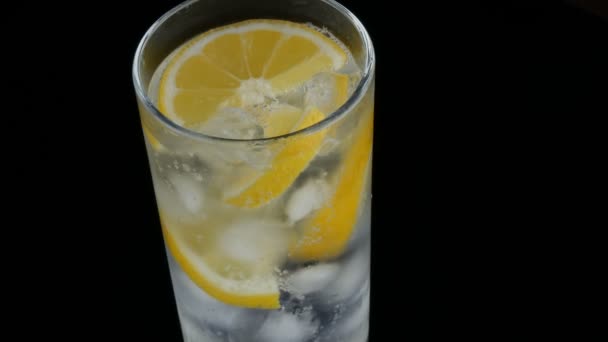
(311,240)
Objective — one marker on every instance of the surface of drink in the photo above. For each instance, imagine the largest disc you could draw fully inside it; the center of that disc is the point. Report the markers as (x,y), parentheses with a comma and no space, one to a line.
(266,212)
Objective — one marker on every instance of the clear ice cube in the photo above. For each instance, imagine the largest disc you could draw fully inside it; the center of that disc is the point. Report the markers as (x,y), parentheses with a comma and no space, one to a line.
(295,97)
(226,159)
(311,278)
(255,242)
(281,326)
(350,322)
(329,146)
(359,317)
(353,275)
(249,322)
(307,198)
(181,197)
(193,332)
(189,191)
(321,92)
(364,220)
(198,306)
(360,335)
(232,123)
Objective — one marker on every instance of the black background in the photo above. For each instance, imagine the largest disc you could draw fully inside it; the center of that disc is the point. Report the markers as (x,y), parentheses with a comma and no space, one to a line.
(482,109)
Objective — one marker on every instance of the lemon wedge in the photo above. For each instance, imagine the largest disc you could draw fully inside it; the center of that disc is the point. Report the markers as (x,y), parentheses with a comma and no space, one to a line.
(233,262)
(327,233)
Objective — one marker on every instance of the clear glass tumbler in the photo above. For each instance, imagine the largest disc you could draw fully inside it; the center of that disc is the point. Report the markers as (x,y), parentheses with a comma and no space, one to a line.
(289,261)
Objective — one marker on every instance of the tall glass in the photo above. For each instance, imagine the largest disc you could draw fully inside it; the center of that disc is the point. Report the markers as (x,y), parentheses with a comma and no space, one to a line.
(316,231)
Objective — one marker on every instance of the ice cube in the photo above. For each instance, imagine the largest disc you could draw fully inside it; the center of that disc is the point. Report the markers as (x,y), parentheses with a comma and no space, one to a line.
(231,164)
(233,167)
(362,228)
(189,191)
(232,123)
(198,306)
(353,71)
(359,317)
(224,156)
(361,334)
(328,146)
(248,323)
(353,275)
(256,242)
(312,278)
(193,332)
(180,197)
(281,326)
(294,97)
(323,91)
(350,322)
(306,199)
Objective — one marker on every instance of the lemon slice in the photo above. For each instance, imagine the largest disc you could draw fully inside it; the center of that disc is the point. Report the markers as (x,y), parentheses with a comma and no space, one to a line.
(327,233)
(233,262)
(286,166)
(243,63)
(154,143)
(148,136)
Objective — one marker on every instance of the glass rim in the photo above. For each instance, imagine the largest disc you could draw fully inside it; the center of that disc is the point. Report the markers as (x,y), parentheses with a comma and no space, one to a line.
(353,100)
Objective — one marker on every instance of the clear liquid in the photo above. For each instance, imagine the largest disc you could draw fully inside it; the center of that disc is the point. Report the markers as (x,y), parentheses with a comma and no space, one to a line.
(320,300)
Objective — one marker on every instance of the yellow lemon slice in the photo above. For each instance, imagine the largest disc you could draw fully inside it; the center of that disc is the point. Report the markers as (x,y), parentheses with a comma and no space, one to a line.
(154,143)
(233,262)
(286,166)
(243,64)
(148,136)
(327,233)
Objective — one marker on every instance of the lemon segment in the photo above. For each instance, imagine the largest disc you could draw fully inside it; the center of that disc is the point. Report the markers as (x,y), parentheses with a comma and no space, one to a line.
(327,233)
(198,72)
(289,53)
(258,46)
(195,106)
(227,52)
